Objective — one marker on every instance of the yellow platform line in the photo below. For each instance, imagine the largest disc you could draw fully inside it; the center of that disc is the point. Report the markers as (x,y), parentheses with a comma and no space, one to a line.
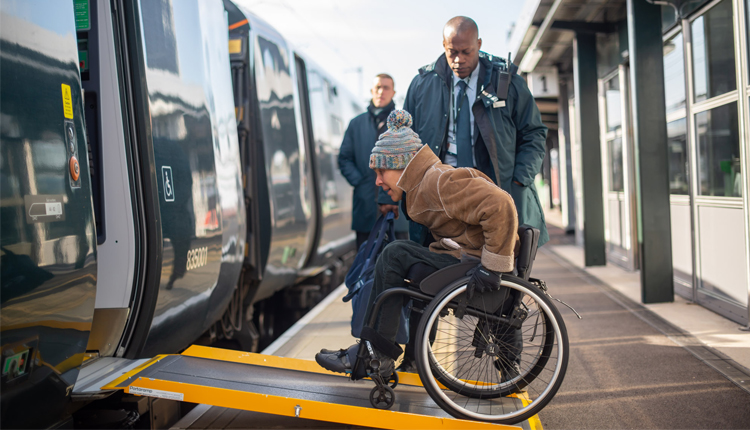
(308,409)
(534,422)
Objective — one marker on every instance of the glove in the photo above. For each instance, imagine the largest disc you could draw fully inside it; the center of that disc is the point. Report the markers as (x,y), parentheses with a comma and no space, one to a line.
(482,280)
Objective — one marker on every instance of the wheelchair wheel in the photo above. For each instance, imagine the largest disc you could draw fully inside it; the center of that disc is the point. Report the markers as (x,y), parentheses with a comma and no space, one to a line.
(489,363)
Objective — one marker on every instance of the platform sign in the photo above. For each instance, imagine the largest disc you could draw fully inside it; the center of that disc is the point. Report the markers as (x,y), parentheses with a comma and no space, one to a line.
(83,15)
(543,82)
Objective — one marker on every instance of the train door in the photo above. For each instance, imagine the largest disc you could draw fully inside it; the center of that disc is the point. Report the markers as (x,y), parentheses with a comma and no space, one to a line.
(186,135)
(717,172)
(289,184)
(324,109)
(110,155)
(48,267)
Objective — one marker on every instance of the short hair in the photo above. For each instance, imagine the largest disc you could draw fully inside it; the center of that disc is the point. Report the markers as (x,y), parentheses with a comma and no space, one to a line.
(386,76)
(460,24)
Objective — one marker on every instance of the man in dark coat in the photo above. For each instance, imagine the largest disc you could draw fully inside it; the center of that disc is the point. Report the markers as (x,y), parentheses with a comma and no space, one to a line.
(502,135)
(507,136)
(354,158)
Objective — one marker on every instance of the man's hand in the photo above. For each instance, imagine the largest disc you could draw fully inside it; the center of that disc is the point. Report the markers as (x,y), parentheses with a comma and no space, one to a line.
(518,183)
(384,209)
(482,279)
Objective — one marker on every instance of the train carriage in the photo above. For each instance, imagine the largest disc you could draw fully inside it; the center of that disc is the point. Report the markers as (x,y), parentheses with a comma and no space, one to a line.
(168,172)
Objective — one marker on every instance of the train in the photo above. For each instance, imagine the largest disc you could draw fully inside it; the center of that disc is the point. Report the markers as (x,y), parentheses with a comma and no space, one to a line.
(168,175)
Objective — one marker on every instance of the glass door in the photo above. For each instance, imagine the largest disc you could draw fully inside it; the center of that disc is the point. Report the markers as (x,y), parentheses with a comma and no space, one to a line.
(717,174)
(679,162)
(618,171)
(575,155)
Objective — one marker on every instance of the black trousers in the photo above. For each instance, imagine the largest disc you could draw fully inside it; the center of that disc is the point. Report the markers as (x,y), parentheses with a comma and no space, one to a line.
(390,270)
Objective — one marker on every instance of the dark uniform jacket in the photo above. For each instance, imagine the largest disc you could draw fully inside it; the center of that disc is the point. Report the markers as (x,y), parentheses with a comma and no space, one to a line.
(510,136)
(354,163)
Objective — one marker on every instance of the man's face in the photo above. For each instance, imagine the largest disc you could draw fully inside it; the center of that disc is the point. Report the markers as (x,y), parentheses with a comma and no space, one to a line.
(462,51)
(382,92)
(387,179)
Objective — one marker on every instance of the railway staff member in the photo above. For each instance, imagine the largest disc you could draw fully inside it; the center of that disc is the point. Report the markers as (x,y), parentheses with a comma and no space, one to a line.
(354,158)
(461,204)
(475,111)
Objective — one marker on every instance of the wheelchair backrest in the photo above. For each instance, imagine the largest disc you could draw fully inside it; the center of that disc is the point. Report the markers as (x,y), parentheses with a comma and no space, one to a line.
(529,240)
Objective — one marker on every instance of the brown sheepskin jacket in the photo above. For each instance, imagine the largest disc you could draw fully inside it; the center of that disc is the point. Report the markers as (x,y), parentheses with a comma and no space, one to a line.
(461,206)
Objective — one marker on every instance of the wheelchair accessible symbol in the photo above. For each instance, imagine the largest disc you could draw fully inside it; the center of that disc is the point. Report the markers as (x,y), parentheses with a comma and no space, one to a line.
(166,176)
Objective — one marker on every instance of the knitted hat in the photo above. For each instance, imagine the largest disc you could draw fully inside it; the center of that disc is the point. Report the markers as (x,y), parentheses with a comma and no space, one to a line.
(397,145)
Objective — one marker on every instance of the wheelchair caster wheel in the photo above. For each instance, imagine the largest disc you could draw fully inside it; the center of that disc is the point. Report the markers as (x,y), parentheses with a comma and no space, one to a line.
(382,397)
(394,380)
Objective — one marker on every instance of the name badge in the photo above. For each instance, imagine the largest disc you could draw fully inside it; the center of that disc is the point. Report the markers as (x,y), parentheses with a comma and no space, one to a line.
(498,104)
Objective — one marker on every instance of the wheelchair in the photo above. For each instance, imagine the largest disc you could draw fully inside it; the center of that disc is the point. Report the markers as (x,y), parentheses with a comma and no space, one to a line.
(498,357)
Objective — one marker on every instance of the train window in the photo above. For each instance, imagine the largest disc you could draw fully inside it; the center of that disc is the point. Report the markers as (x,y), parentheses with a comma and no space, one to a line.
(318,109)
(158,31)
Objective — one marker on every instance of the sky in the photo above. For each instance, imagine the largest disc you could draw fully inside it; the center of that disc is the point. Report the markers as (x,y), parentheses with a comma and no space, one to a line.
(394,37)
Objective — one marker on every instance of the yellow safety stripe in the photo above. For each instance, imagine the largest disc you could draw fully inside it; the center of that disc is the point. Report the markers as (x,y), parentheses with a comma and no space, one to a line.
(308,409)
(279,362)
(113,384)
(534,422)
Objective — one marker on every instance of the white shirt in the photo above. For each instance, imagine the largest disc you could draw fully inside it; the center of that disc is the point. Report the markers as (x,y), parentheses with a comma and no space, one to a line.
(471,93)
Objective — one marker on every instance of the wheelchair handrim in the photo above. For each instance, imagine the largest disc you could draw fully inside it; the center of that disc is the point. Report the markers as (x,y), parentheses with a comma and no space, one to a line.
(426,352)
(502,386)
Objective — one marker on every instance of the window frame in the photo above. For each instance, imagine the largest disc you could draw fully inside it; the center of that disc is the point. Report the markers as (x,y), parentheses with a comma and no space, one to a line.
(701,12)
(695,108)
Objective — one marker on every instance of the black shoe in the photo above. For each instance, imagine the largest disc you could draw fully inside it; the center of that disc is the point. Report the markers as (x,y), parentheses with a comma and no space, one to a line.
(387,364)
(333,351)
(338,361)
(335,361)
(407,365)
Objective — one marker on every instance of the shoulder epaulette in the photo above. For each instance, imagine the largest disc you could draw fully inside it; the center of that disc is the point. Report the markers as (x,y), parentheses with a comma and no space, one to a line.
(427,69)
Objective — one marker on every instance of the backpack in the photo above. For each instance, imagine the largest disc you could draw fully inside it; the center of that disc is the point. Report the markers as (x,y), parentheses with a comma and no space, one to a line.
(360,277)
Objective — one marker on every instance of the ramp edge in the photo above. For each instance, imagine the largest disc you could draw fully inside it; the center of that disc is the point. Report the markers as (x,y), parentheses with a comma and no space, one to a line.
(309,409)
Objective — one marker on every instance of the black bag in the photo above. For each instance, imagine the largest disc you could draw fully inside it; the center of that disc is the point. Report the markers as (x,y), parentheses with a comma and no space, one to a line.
(360,277)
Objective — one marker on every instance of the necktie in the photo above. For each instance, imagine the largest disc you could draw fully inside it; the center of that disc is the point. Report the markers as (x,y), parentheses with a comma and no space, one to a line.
(464,148)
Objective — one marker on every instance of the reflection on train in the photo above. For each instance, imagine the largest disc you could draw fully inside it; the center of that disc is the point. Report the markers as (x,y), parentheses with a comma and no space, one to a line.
(163,181)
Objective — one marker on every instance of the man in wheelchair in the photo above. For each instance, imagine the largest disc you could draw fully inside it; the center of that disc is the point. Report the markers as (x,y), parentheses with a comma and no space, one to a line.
(467,214)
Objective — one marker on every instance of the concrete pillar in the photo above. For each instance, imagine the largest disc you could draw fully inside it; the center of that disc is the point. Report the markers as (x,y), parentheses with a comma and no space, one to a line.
(587,120)
(651,158)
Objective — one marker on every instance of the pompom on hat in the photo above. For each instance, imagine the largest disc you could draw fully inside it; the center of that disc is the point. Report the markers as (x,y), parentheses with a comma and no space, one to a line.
(398,145)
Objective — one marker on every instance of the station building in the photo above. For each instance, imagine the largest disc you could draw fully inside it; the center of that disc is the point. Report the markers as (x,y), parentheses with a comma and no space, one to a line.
(648,107)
